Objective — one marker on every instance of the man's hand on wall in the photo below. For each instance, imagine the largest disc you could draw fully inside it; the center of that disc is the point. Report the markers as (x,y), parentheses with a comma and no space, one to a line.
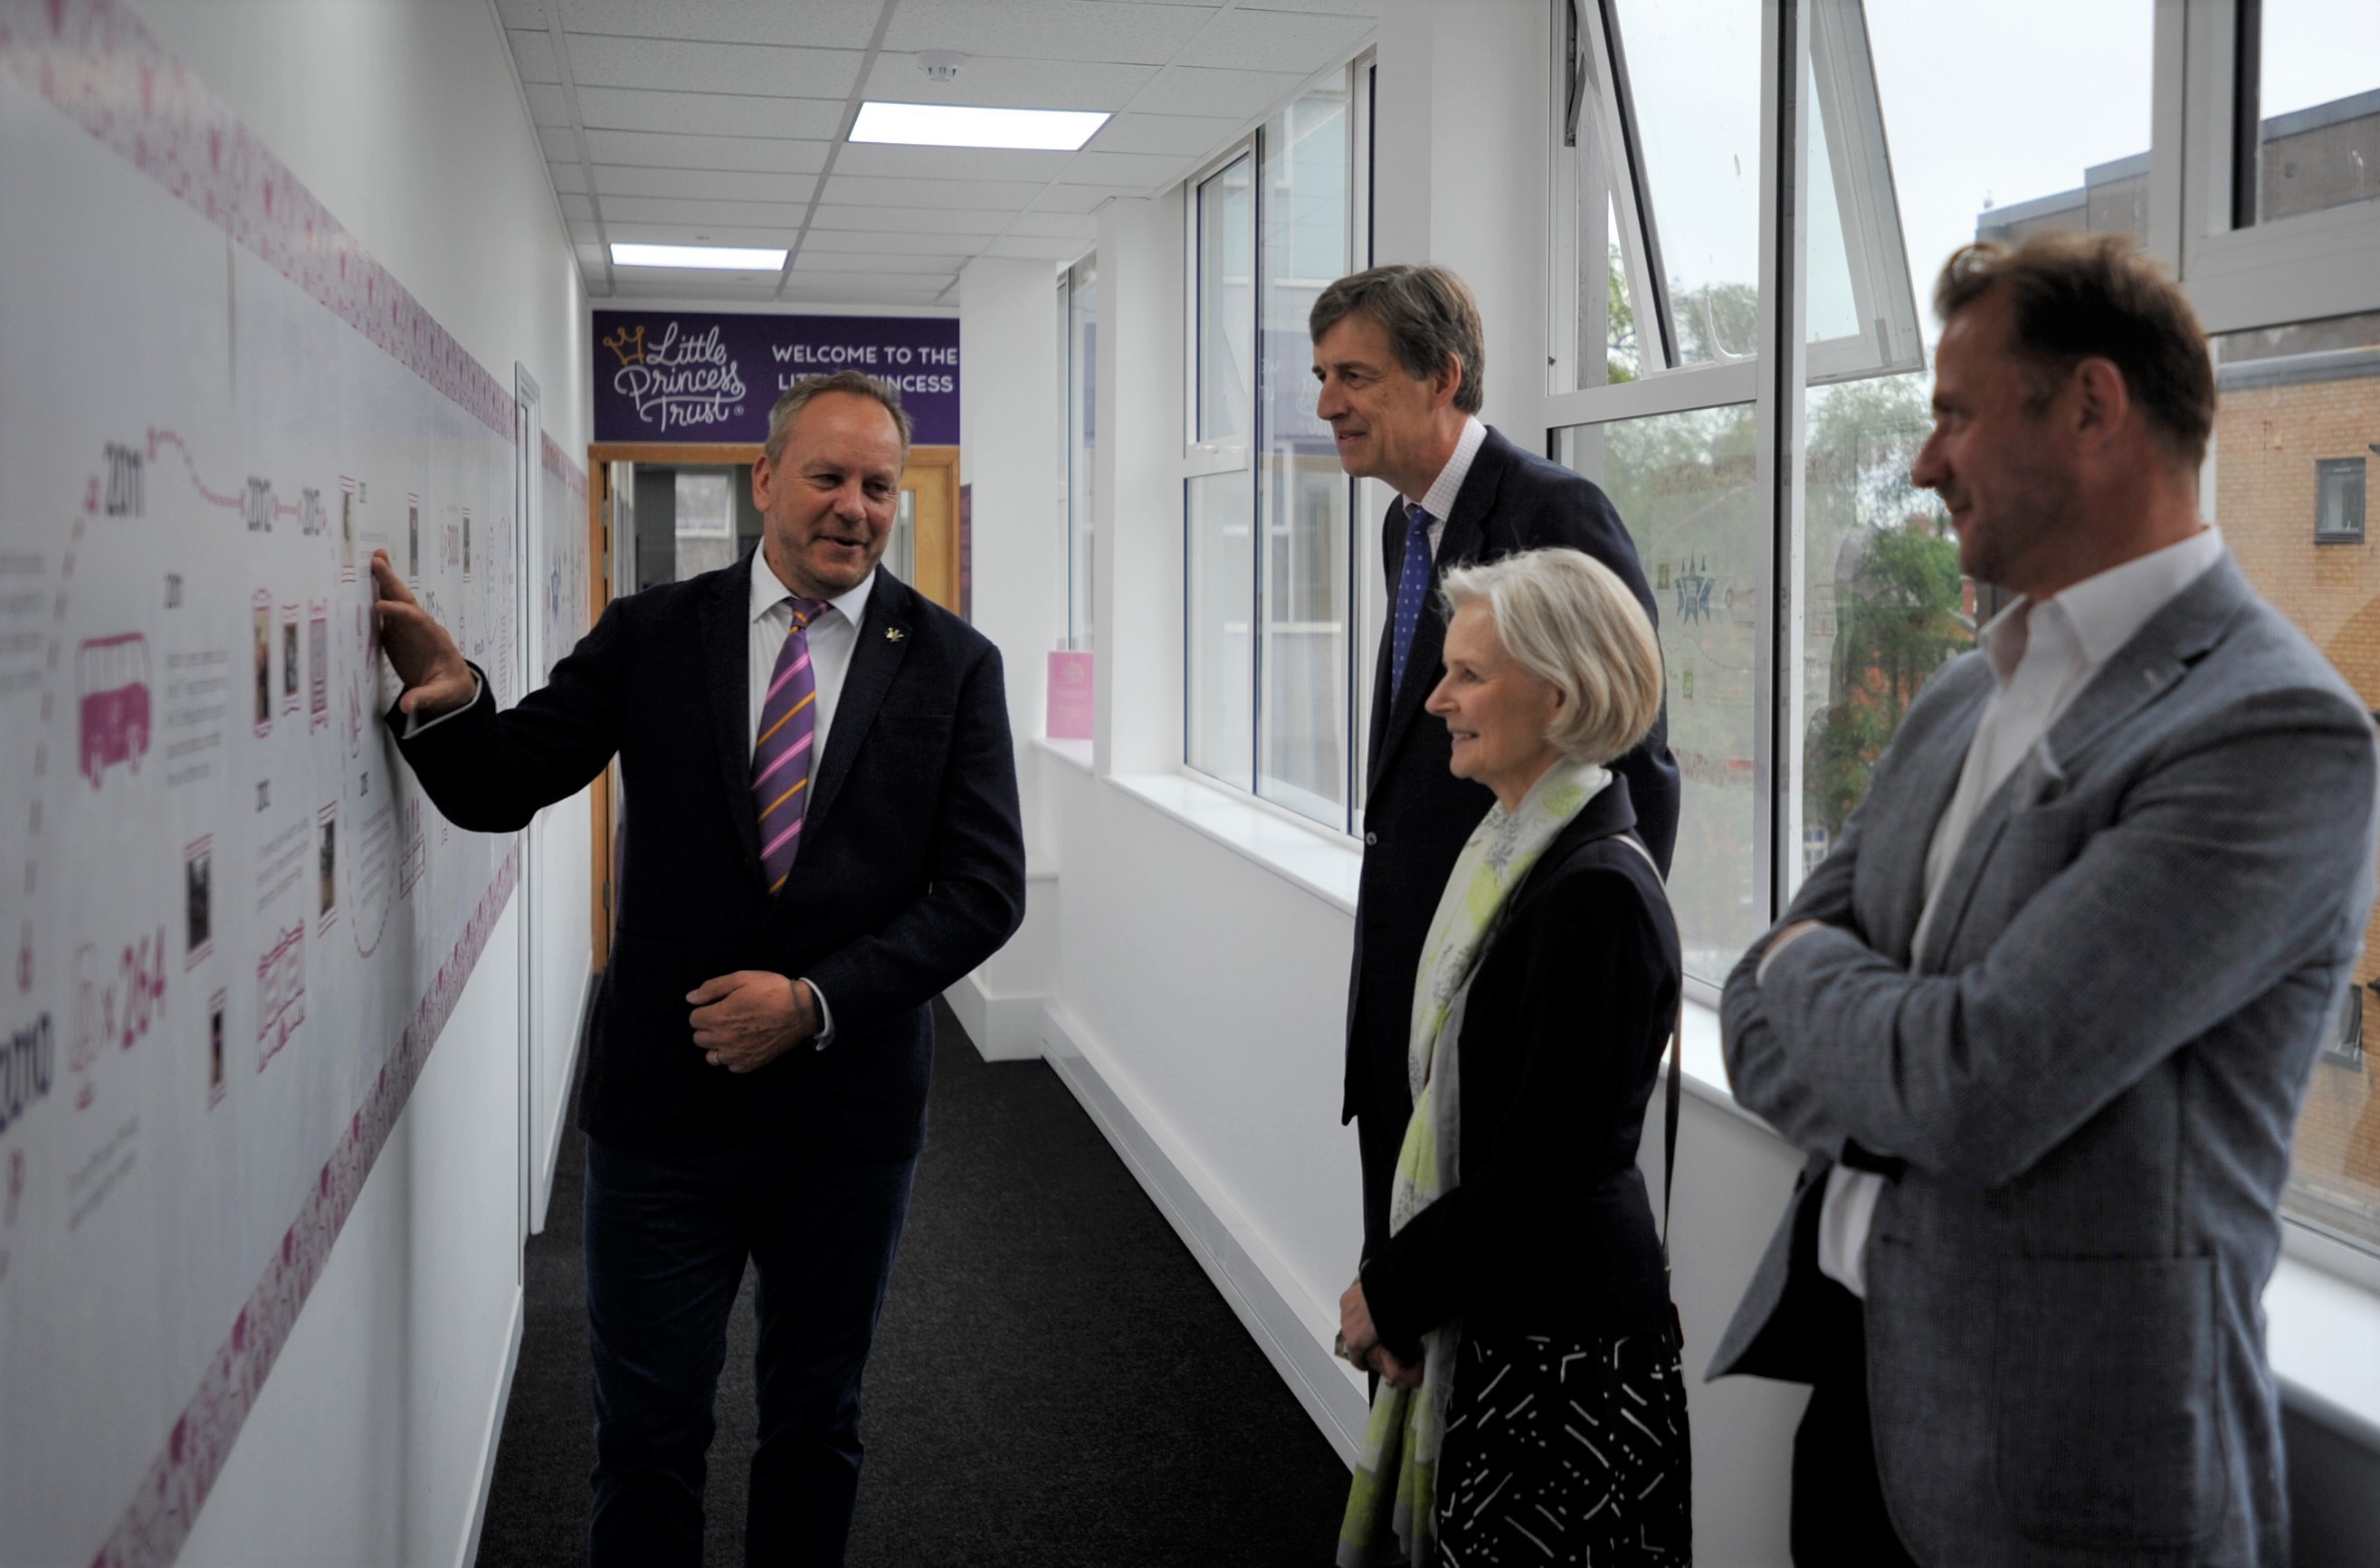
(751,1017)
(437,679)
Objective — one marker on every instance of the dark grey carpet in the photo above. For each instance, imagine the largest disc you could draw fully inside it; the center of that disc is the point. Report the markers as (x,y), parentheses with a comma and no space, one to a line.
(1055,1382)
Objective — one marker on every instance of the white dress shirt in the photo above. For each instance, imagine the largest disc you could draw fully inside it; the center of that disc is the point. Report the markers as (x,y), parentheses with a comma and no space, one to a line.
(832,635)
(2042,656)
(1439,500)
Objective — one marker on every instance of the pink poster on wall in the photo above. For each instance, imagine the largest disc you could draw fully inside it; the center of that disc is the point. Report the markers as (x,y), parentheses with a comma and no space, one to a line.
(1069,696)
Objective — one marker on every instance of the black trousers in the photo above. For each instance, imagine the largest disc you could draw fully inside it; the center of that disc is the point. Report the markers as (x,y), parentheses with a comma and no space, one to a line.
(1839,1512)
(666,1243)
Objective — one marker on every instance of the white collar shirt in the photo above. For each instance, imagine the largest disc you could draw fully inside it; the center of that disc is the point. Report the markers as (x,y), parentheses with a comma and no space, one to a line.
(2042,656)
(1439,500)
(831,637)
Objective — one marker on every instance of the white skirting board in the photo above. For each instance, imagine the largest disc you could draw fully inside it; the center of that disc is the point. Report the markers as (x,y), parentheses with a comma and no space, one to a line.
(1003,1028)
(1287,1321)
(493,1434)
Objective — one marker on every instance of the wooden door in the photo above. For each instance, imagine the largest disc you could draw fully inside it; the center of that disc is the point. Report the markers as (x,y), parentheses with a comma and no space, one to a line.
(930,487)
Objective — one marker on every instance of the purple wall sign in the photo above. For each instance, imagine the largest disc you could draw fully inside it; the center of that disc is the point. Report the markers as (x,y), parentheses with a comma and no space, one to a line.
(671,375)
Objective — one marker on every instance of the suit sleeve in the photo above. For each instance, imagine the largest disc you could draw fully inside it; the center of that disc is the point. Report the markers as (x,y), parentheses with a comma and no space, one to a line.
(489,772)
(975,893)
(2248,847)
(1598,983)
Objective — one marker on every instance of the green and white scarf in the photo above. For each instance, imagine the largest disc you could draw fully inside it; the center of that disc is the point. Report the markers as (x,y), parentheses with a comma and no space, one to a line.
(1392,1516)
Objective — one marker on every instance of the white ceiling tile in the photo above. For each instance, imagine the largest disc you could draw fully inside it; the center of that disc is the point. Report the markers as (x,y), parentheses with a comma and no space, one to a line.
(567,178)
(886,263)
(1146,171)
(909,220)
(1029,245)
(1305,42)
(578,208)
(865,285)
(677,66)
(650,281)
(708,114)
(1368,10)
(1013,83)
(657,150)
(1081,198)
(1047,29)
(716,185)
(1185,136)
(1076,226)
(560,145)
(644,233)
(533,53)
(586,235)
(1233,94)
(819,24)
(547,106)
(850,190)
(701,213)
(521,13)
(879,242)
(949,162)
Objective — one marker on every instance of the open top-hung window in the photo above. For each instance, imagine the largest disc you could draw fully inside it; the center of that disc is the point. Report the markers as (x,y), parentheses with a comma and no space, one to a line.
(1662,100)
(1270,622)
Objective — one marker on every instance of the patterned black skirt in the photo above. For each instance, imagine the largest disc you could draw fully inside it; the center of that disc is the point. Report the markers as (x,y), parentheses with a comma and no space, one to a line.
(1564,1449)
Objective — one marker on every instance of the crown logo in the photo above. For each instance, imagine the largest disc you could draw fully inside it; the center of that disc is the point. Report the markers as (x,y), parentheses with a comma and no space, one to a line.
(629,343)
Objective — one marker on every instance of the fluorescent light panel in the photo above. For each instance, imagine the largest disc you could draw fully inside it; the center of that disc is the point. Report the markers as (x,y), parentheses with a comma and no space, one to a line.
(725,258)
(959,124)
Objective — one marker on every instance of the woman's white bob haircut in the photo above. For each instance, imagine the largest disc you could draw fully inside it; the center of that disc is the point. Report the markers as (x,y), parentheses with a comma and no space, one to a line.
(1567,619)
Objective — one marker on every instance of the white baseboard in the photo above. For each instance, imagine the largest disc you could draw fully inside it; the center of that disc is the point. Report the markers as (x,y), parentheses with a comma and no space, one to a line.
(542,1199)
(1004,1028)
(1281,1315)
(493,1433)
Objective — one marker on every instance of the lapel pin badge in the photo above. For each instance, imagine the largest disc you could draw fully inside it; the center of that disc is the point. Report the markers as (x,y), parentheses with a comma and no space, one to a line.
(893,633)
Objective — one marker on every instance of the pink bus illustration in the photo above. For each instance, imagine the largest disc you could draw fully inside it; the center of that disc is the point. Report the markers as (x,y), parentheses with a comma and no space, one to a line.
(112,677)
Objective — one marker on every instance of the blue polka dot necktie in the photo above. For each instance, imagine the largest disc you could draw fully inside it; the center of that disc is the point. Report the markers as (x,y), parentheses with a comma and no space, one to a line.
(1412,593)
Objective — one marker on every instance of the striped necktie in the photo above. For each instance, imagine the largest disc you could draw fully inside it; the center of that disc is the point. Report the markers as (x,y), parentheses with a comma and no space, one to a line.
(781,756)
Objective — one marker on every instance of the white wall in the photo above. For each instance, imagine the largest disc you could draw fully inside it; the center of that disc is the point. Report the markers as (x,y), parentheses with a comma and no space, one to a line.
(371,1440)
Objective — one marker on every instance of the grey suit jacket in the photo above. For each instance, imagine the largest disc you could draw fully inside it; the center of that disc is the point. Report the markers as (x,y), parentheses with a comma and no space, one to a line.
(2091,1074)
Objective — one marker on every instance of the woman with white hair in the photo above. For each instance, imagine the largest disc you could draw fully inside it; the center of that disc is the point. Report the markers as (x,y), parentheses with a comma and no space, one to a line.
(1519,1316)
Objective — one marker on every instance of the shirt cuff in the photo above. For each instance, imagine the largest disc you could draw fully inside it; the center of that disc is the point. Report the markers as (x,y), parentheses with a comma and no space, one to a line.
(416,724)
(825,1037)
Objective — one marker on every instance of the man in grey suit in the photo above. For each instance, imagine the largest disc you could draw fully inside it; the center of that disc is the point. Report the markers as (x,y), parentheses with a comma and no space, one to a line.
(2044,1018)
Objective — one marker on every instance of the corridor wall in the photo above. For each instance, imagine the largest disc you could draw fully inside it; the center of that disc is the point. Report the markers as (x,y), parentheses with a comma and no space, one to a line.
(359,1420)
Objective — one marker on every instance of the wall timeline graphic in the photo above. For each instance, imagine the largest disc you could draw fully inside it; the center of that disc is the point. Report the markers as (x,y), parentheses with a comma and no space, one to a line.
(228,937)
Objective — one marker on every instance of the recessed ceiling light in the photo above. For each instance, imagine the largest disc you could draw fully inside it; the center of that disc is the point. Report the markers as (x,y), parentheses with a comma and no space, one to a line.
(959,124)
(726,258)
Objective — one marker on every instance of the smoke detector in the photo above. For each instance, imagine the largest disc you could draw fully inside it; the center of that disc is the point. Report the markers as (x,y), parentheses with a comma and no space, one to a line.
(940,65)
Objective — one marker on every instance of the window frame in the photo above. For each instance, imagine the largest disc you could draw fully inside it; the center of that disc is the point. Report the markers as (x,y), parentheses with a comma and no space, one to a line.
(2323,469)
(1206,459)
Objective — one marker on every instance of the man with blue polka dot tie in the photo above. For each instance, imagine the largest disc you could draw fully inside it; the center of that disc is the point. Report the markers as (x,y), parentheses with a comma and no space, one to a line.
(1398,352)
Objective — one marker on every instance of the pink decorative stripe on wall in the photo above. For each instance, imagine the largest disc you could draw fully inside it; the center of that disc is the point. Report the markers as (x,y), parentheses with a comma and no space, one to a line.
(557,462)
(96,62)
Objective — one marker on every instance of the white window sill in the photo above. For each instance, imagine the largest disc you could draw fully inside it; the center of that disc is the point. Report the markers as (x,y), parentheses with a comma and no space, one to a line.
(1328,865)
(1074,753)
(2321,1327)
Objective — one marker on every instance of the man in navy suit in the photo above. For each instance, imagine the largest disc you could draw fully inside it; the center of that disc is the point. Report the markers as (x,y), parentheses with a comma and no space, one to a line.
(822,834)
(1398,351)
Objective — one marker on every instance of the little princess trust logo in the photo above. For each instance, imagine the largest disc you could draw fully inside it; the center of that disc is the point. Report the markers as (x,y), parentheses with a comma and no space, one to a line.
(676,382)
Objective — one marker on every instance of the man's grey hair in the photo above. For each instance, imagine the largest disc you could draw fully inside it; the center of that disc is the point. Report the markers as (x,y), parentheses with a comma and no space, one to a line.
(781,417)
(1566,618)
(1428,314)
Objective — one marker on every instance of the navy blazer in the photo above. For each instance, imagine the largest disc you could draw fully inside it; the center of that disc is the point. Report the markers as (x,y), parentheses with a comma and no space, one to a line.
(1416,814)
(1568,1011)
(911,871)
